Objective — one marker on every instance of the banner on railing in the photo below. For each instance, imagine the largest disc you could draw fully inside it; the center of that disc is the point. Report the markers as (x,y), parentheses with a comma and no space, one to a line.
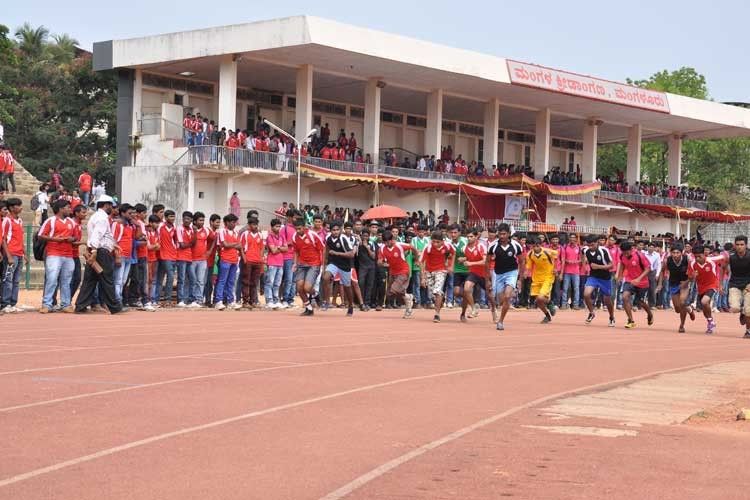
(515,206)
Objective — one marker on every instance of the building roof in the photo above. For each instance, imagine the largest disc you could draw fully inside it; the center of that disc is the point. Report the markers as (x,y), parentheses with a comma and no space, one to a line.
(345,56)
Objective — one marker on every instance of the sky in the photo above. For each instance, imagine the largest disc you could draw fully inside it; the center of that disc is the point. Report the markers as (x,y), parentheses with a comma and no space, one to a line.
(606,39)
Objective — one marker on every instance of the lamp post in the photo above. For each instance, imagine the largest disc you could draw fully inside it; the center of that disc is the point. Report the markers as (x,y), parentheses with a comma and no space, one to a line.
(299,152)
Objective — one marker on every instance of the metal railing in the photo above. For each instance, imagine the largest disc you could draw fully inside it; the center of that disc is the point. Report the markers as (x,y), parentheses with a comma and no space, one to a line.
(654,200)
(526,226)
(155,124)
(225,158)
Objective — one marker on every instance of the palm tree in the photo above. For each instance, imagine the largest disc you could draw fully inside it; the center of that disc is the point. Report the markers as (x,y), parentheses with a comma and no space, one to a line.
(64,48)
(31,40)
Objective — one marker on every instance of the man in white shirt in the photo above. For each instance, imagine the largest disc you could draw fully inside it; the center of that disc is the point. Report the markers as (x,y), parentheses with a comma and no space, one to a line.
(654,258)
(99,254)
(2,133)
(40,214)
(422,164)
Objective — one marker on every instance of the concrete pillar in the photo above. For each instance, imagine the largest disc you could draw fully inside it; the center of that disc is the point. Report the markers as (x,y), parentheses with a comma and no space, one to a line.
(491,126)
(633,173)
(228,92)
(434,134)
(590,137)
(125,84)
(541,148)
(303,112)
(674,160)
(137,100)
(371,140)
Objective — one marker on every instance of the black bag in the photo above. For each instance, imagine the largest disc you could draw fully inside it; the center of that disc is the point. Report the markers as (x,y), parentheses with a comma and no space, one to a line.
(40,247)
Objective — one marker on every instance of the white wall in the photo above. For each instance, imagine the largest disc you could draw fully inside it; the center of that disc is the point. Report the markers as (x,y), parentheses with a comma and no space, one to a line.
(152,185)
(414,141)
(390,136)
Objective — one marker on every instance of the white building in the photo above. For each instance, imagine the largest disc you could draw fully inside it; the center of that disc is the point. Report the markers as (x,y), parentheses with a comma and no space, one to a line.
(392,92)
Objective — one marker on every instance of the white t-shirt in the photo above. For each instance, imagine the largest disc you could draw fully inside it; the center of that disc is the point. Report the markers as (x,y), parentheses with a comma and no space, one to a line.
(43,199)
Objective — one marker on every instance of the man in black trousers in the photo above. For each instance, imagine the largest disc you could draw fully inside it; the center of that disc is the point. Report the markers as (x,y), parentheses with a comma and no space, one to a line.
(100,262)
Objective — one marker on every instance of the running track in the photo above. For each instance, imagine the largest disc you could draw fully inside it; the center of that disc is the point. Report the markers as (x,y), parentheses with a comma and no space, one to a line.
(240,405)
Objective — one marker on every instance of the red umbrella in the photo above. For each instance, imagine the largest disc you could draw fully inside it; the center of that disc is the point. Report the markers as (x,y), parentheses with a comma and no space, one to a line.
(384,212)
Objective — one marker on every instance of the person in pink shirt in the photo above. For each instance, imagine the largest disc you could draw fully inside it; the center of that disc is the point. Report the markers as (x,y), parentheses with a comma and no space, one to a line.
(554,244)
(614,252)
(276,246)
(288,232)
(571,270)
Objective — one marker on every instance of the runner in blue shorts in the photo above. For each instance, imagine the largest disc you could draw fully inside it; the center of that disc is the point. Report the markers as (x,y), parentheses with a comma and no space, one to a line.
(600,263)
(676,267)
(509,262)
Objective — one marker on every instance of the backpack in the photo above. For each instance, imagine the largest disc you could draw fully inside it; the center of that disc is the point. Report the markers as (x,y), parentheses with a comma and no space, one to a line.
(40,247)
(35,202)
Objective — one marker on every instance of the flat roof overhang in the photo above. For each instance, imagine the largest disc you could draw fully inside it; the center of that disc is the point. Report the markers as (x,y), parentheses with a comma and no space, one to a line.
(344,53)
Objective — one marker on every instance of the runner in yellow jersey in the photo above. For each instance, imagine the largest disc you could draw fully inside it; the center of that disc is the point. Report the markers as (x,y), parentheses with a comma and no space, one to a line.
(542,262)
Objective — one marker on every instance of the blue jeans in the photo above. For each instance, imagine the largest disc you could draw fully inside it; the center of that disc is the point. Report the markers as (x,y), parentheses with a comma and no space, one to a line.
(724,299)
(86,198)
(197,273)
(289,285)
(449,290)
(10,285)
(183,281)
(575,281)
(273,281)
(121,276)
(225,282)
(416,277)
(163,268)
(57,268)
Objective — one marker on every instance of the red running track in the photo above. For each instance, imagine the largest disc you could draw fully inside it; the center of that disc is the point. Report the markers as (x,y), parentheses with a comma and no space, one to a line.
(183,405)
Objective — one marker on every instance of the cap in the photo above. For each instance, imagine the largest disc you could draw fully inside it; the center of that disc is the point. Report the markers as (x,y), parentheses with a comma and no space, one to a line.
(105,199)
(374,223)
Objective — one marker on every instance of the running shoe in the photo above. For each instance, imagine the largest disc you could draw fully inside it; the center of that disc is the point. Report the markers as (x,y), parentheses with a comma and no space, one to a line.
(742,319)
(546,320)
(691,313)
(681,329)
(747,334)
(308,312)
(499,326)
(611,322)
(350,312)
(463,318)
(650,319)
(220,306)
(181,304)
(630,324)
(711,326)
(325,306)
(495,318)
(436,318)
(552,309)
(149,308)
(590,317)
(408,313)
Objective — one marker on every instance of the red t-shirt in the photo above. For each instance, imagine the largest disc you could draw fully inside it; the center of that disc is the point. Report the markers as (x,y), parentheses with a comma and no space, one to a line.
(435,258)
(84,182)
(252,246)
(473,254)
(184,235)
(396,258)
(211,259)
(153,238)
(309,247)
(635,265)
(77,232)
(230,255)
(141,251)
(57,228)
(167,246)
(13,231)
(123,235)
(201,243)
(706,275)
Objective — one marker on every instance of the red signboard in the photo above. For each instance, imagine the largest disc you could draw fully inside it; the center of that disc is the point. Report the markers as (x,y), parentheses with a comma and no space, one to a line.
(554,80)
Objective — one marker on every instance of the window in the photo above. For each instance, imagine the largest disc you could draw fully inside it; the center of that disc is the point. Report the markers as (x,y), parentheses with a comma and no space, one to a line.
(291,102)
(389,117)
(449,126)
(571,161)
(356,112)
(329,108)
(179,99)
(468,129)
(480,154)
(201,195)
(416,121)
(166,82)
(519,137)
(501,135)
(527,156)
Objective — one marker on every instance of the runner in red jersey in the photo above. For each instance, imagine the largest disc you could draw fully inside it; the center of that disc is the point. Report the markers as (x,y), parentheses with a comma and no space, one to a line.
(393,254)
(707,272)
(476,258)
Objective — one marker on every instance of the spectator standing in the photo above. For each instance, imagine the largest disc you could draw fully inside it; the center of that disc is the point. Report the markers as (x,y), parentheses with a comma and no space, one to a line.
(40,204)
(234,205)
(571,268)
(84,186)
(13,233)
(57,232)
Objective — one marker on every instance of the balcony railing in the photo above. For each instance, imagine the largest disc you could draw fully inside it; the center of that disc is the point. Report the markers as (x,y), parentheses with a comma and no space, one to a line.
(598,198)
(224,158)
(539,227)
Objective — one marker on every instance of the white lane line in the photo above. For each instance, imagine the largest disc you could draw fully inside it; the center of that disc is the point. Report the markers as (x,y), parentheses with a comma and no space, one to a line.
(289,363)
(398,461)
(76,397)
(210,425)
(81,381)
(183,356)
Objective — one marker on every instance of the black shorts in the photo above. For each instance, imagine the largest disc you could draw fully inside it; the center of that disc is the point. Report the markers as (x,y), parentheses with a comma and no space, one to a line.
(459,279)
(638,293)
(477,280)
(708,293)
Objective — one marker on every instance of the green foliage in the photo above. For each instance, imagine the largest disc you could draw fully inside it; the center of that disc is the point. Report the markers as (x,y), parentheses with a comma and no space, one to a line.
(56,110)
(721,166)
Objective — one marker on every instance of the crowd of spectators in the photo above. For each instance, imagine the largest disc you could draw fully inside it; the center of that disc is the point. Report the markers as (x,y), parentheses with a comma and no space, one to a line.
(618,184)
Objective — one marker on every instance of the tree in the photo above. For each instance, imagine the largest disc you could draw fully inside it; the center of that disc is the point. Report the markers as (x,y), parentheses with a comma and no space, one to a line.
(59,111)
